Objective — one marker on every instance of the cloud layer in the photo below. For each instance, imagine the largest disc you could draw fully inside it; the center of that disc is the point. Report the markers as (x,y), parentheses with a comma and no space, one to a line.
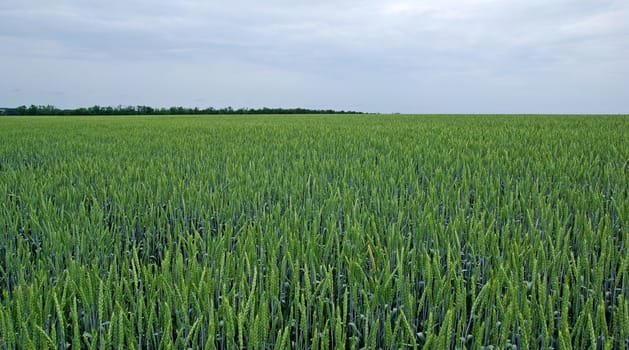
(478,56)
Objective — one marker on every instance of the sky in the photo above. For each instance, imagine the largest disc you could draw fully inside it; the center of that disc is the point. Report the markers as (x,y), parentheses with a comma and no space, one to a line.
(399,56)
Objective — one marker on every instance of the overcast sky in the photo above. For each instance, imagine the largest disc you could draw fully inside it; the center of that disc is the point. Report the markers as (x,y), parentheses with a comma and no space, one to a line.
(446,56)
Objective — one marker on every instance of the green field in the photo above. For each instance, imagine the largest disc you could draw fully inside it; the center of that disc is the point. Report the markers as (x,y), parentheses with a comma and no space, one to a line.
(314,232)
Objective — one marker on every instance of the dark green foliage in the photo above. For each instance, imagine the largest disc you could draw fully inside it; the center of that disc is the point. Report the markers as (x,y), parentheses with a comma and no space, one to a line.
(146,110)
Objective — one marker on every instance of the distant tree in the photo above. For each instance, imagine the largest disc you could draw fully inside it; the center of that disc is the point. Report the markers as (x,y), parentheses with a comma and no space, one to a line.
(94,110)
(146,110)
(21,110)
(32,110)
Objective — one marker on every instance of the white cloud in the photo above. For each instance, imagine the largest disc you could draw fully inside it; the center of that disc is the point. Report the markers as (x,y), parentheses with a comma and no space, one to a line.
(305,50)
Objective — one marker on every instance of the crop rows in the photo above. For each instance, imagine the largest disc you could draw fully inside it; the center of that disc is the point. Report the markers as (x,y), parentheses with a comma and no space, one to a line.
(314,232)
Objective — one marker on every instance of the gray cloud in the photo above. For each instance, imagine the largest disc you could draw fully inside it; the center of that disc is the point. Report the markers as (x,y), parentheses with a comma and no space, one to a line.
(408,56)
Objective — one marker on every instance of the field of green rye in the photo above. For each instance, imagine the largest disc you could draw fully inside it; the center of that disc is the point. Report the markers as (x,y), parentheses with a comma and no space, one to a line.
(314,232)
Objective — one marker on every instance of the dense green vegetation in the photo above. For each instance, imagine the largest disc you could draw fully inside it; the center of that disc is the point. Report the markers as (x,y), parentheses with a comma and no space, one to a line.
(147,110)
(314,232)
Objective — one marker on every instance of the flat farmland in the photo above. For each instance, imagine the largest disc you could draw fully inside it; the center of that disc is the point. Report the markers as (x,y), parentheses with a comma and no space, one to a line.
(314,232)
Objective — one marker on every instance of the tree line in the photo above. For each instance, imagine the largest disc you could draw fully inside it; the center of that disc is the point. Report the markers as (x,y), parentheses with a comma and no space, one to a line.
(147,110)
